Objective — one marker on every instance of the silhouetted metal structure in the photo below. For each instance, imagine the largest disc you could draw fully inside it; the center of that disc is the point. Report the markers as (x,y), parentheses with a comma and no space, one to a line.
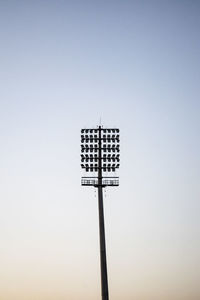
(100,154)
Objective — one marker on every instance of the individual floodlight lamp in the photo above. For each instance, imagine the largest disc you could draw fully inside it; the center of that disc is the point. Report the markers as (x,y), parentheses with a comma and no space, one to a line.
(99,155)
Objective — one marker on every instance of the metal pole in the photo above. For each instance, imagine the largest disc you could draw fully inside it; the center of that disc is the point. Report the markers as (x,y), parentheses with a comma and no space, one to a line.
(104,279)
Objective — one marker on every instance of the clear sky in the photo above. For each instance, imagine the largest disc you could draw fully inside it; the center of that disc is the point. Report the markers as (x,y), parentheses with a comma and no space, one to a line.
(63,66)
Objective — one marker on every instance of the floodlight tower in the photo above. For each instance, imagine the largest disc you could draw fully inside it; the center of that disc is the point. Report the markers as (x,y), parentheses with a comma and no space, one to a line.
(100,154)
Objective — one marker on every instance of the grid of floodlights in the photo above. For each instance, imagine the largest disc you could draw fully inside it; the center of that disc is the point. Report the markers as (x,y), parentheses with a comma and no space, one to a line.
(109,149)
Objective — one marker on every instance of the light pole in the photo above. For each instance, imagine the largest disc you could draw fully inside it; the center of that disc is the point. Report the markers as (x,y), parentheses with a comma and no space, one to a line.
(100,154)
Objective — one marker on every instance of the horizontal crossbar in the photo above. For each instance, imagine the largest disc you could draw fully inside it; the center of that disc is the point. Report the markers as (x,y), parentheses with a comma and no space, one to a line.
(95,182)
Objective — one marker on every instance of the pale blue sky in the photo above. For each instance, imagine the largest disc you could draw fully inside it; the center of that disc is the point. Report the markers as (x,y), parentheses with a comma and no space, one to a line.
(63,66)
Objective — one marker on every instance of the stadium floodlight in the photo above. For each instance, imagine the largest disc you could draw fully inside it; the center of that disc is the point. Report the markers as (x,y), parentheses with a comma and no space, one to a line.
(99,155)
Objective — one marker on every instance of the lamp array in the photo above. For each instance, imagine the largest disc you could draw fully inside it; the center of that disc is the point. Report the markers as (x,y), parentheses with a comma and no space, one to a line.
(100,149)
(104,158)
(104,130)
(94,148)
(95,167)
(92,135)
(94,138)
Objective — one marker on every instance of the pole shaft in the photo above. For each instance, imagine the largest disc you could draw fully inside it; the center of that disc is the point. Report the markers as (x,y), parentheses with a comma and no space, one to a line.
(104,278)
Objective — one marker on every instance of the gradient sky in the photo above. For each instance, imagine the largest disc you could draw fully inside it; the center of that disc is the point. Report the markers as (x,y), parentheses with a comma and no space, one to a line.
(63,66)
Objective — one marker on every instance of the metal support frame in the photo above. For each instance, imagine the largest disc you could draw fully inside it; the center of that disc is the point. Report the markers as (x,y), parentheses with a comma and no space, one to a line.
(100,182)
(104,277)
(92,181)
